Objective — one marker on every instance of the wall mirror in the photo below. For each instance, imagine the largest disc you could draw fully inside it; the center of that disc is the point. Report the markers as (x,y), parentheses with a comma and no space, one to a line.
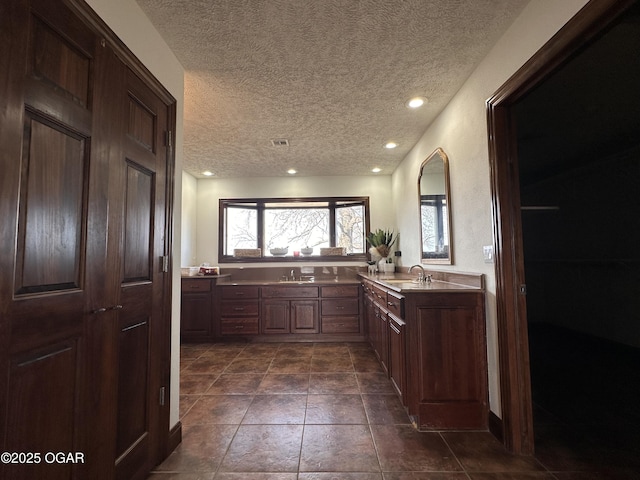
(435,209)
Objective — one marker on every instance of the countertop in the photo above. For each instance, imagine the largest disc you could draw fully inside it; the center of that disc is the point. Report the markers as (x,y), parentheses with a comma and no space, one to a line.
(402,284)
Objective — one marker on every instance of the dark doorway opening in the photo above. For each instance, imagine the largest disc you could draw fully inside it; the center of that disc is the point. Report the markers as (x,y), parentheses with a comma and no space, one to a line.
(578,149)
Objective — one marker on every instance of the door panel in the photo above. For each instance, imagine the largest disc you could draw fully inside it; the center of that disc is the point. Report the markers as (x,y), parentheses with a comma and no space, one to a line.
(143,171)
(46,166)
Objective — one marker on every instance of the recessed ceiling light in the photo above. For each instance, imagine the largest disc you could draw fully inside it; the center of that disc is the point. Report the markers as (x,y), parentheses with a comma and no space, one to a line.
(390,145)
(291,171)
(416,102)
(376,170)
(207,173)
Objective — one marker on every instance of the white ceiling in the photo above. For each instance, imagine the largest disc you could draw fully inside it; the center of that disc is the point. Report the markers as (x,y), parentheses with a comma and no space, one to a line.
(330,76)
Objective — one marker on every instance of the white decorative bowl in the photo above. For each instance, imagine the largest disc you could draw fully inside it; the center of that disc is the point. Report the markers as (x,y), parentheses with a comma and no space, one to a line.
(279,251)
(306,251)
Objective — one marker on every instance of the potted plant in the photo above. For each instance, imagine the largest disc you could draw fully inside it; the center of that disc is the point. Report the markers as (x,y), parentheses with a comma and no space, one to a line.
(381,242)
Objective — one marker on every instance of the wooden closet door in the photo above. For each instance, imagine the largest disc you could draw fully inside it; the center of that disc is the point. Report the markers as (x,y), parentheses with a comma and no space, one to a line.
(53,210)
(143,170)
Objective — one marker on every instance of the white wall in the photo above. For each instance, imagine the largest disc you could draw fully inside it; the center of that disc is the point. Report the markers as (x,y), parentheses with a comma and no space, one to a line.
(189,226)
(128,21)
(377,188)
(461,131)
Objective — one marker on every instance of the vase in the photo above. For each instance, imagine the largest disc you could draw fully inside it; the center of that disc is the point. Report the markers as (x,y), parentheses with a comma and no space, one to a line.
(384,267)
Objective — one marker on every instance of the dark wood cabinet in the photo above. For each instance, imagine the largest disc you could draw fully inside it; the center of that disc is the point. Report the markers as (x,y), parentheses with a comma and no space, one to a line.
(290,310)
(239,310)
(196,310)
(397,356)
(340,309)
(433,347)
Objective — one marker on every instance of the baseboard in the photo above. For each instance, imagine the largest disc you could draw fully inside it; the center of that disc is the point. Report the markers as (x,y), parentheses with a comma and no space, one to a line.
(496,427)
(175,437)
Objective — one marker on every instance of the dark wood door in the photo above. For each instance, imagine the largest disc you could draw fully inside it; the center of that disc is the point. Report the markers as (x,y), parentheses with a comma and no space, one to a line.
(83,212)
(54,232)
(143,177)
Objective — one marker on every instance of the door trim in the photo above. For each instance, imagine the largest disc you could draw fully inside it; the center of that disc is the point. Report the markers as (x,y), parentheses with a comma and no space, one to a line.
(513,345)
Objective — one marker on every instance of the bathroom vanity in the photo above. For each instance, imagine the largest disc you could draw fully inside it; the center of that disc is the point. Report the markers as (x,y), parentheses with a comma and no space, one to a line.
(430,339)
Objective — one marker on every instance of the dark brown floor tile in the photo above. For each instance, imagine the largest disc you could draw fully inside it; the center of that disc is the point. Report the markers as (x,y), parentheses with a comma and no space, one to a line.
(287,364)
(513,476)
(329,363)
(335,409)
(255,476)
(338,448)
(207,365)
(260,350)
(264,448)
(276,409)
(295,350)
(330,348)
(366,364)
(425,476)
(333,383)
(401,448)
(248,365)
(181,476)
(186,402)
(482,452)
(191,384)
(236,384)
(385,409)
(201,450)
(340,476)
(218,409)
(371,382)
(284,383)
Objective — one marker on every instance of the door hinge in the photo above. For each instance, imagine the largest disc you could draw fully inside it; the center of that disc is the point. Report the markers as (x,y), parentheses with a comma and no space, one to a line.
(161,399)
(168,138)
(523,289)
(165,263)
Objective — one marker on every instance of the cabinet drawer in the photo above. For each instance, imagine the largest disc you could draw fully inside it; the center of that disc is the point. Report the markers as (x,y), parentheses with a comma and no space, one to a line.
(239,326)
(289,292)
(343,306)
(395,304)
(340,291)
(379,295)
(230,309)
(236,291)
(340,324)
(195,285)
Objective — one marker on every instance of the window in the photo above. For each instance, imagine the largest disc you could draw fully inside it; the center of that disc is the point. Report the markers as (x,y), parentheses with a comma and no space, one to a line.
(435,235)
(299,227)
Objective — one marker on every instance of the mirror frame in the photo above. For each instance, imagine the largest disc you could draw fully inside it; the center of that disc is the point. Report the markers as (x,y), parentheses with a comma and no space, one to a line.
(438,154)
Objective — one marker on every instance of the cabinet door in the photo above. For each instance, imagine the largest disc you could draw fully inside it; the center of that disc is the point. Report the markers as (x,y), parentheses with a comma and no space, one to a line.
(195,316)
(397,359)
(275,316)
(304,316)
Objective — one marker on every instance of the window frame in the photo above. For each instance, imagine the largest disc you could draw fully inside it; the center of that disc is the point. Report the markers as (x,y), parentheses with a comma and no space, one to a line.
(260,207)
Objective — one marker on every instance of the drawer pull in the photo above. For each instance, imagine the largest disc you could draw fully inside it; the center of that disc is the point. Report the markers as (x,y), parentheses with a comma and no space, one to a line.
(339,307)
(239,294)
(239,309)
(391,304)
(239,327)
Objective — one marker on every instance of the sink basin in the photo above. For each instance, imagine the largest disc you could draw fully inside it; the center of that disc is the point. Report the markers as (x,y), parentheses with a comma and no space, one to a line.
(295,282)
(398,280)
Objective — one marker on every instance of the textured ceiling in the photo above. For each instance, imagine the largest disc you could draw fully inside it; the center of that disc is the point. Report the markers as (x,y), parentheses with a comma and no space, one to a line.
(330,76)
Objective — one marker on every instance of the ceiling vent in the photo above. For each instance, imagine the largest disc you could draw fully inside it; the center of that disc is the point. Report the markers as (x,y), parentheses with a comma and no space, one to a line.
(280,142)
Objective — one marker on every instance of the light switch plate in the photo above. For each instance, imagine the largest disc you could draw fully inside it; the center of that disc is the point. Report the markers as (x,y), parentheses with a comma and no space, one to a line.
(487,251)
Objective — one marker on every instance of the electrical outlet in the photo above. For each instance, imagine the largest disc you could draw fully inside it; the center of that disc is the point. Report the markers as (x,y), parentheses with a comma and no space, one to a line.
(487,251)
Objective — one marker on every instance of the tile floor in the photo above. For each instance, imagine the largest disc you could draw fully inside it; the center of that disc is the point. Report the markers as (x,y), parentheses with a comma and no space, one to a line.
(313,411)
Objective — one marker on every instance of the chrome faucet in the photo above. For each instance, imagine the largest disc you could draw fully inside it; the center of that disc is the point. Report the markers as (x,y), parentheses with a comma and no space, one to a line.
(293,274)
(422,277)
